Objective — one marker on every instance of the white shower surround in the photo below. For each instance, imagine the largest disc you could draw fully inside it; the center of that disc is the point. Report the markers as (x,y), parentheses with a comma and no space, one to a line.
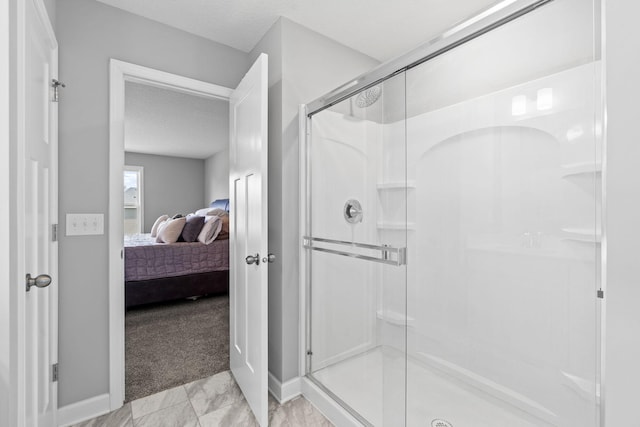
(379,317)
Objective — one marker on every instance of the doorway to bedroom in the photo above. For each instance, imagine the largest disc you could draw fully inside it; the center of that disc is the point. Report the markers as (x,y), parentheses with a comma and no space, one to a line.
(176,237)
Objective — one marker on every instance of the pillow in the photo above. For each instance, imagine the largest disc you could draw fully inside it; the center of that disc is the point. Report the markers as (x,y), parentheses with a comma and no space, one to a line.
(220,204)
(192,228)
(224,218)
(224,233)
(210,230)
(160,220)
(225,226)
(217,212)
(203,211)
(170,230)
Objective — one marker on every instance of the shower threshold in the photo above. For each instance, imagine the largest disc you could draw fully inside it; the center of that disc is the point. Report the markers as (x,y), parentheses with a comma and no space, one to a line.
(371,386)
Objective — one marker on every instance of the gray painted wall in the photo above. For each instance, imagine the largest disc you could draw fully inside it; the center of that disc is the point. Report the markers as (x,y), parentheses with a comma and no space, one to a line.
(50,5)
(171,185)
(303,66)
(89,34)
(216,177)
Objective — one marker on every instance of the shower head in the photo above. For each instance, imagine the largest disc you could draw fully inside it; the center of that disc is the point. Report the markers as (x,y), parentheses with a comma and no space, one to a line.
(368,97)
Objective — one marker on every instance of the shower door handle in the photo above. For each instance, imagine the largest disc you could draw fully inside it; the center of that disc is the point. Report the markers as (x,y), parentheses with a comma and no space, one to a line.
(386,251)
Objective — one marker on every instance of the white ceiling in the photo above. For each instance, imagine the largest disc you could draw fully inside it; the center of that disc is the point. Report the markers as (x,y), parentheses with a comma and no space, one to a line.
(381,29)
(169,123)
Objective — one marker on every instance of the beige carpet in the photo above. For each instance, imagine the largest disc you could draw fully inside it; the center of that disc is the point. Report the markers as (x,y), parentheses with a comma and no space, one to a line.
(171,344)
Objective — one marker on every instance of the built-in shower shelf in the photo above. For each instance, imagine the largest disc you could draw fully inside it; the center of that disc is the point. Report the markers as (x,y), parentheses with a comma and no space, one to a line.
(396,185)
(395,318)
(585,168)
(582,235)
(396,226)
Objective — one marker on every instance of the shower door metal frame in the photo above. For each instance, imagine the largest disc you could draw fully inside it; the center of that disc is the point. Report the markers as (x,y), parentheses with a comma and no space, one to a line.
(467,30)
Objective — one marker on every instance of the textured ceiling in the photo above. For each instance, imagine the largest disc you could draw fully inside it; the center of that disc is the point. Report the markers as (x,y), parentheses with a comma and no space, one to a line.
(381,29)
(169,123)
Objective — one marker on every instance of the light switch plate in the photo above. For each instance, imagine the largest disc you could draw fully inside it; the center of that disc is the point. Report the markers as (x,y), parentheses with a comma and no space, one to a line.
(85,224)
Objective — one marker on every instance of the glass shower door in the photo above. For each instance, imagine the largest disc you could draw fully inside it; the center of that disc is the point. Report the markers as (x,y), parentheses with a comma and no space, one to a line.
(356,253)
(503,148)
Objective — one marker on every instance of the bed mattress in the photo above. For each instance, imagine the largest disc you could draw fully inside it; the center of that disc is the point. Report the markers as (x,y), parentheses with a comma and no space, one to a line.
(144,259)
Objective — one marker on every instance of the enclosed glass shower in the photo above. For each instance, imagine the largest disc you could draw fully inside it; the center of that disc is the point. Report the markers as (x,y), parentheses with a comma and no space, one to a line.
(452,229)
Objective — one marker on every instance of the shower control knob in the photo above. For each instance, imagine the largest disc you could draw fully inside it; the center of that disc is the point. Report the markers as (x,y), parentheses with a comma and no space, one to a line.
(253,259)
(352,211)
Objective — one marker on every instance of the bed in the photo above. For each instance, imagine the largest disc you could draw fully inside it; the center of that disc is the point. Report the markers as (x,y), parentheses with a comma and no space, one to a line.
(156,272)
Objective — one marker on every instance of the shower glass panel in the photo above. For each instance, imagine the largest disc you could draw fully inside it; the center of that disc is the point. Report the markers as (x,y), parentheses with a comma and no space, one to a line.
(503,148)
(357,236)
(453,232)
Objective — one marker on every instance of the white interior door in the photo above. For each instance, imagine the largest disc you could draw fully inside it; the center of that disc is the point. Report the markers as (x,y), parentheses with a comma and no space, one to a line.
(248,227)
(39,175)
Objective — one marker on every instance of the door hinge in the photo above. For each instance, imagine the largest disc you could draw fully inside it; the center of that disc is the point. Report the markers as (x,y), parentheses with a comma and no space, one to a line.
(56,84)
(54,232)
(309,353)
(54,372)
(600,294)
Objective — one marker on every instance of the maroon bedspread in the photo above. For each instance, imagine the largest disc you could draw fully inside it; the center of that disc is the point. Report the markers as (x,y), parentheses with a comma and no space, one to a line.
(144,259)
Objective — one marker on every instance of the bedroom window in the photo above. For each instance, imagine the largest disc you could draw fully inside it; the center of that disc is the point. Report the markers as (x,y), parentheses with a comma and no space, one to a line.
(133,200)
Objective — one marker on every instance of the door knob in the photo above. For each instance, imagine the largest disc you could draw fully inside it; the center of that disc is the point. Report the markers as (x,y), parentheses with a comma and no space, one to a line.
(269,258)
(42,281)
(253,259)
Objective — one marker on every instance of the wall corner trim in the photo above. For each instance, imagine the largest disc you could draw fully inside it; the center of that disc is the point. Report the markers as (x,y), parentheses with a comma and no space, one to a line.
(283,392)
(83,410)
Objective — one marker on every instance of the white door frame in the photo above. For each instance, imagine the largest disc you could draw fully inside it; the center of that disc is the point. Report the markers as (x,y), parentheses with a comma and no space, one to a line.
(140,210)
(121,72)
(9,300)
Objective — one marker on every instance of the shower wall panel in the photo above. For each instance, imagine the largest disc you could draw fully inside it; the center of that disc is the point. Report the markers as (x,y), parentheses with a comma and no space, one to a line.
(343,300)
(503,145)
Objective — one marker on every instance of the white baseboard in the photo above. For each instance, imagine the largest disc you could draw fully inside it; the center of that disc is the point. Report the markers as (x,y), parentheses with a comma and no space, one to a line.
(283,392)
(83,410)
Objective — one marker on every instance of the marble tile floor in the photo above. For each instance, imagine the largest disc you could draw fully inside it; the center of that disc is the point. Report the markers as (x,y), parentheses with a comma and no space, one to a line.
(210,402)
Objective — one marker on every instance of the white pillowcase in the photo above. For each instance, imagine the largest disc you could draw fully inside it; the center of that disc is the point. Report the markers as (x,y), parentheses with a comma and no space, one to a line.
(170,230)
(160,220)
(203,211)
(211,229)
